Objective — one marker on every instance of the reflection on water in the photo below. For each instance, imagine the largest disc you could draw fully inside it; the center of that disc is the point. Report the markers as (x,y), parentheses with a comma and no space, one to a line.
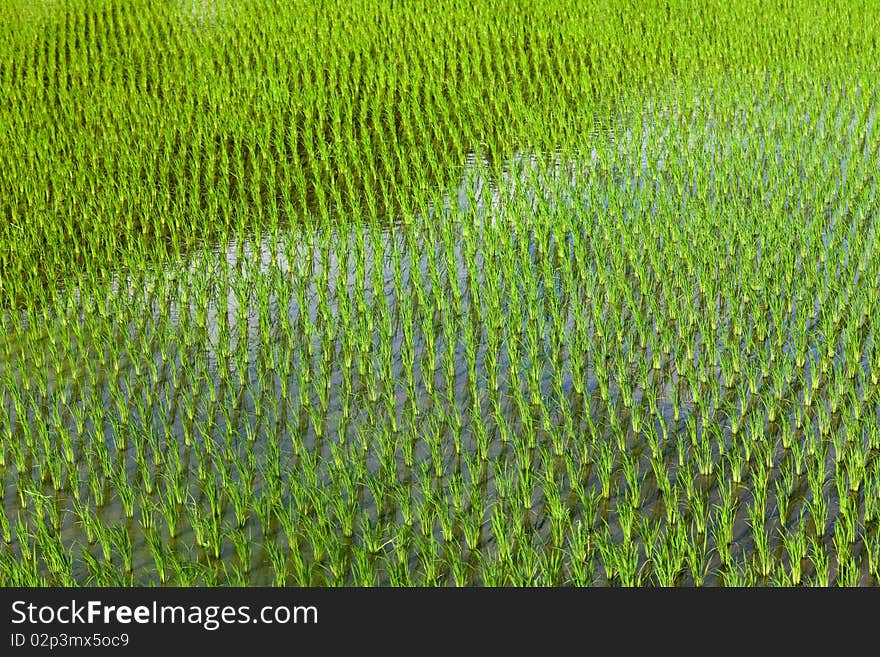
(203,13)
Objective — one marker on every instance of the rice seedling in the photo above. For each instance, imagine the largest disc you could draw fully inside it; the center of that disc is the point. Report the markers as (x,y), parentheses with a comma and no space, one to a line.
(820,561)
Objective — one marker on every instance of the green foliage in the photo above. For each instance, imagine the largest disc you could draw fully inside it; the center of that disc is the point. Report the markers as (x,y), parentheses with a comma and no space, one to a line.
(486,293)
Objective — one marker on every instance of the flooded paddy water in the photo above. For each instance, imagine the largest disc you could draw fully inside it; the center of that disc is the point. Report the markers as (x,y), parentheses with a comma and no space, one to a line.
(650,361)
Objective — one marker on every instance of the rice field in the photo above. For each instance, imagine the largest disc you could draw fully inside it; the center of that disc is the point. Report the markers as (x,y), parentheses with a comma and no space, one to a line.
(481,294)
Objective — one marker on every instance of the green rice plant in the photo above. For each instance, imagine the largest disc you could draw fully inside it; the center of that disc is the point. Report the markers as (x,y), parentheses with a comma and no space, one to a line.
(362,566)
(430,561)
(653,441)
(855,460)
(550,566)
(819,559)
(500,533)
(848,572)
(170,510)
(581,551)
(446,521)
(722,531)
(459,571)
(704,454)
(158,552)
(697,557)
(125,493)
(846,528)
(5,528)
(119,537)
(873,431)
(398,570)
(605,465)
(634,482)
(784,488)
(795,543)
(736,463)
(798,458)
(99,574)
(54,554)
(818,507)
(372,536)
(681,448)
(666,555)
(147,509)
(626,556)
(871,541)
(233,574)
(183,574)
(243,544)
(608,556)
(52,512)
(738,576)
(239,494)
(626,519)
(698,504)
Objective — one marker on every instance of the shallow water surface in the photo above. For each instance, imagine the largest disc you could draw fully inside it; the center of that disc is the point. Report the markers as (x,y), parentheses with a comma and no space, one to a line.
(526,343)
